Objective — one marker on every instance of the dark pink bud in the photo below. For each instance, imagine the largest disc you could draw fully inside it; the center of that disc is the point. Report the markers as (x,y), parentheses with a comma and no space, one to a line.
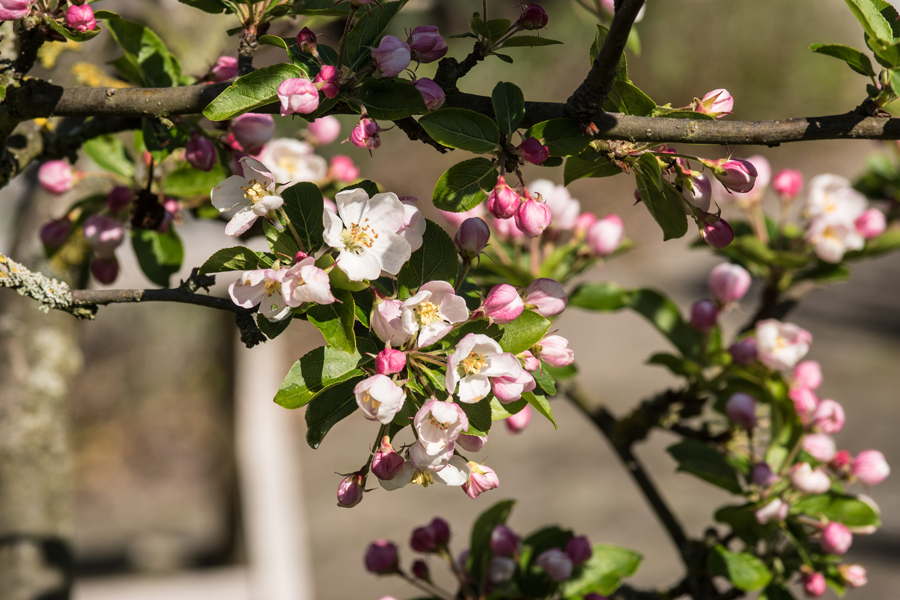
(473,236)
(119,198)
(441,531)
(744,352)
(366,134)
(814,585)
(382,557)
(252,131)
(386,463)
(741,408)
(343,168)
(426,44)
(300,256)
(306,39)
(350,491)
(704,315)
(329,78)
(871,223)
(841,460)
(55,233)
(787,183)
(422,540)
(836,538)
(534,151)
(105,270)
(504,542)
(201,153)
(503,202)
(13,10)
(391,56)
(390,361)
(579,550)
(420,570)
(225,68)
(763,475)
(533,217)
(80,18)
(57,176)
(717,232)
(432,93)
(503,304)
(533,17)
(870,467)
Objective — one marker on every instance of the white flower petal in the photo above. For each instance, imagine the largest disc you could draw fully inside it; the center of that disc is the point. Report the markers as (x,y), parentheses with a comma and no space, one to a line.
(359,267)
(391,250)
(241,221)
(455,473)
(433,332)
(229,193)
(473,388)
(333,228)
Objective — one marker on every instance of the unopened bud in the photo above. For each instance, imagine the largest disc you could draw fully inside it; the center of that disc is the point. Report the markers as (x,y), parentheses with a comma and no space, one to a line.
(736,175)
(744,352)
(503,304)
(809,480)
(225,68)
(481,479)
(820,446)
(503,201)
(807,374)
(716,103)
(386,463)
(343,169)
(80,18)
(420,570)
(382,557)
(579,550)
(836,538)
(533,217)
(119,198)
(870,467)
(504,541)
(704,315)
(473,236)
(854,576)
(583,223)
(729,283)
(519,421)
(390,361)
(871,223)
(717,232)
(763,476)
(105,270)
(534,151)
(324,130)
(546,297)
(391,56)
(700,194)
(814,585)
(605,235)
(298,95)
(741,408)
(556,564)
(432,93)
(501,569)
(366,134)
(554,350)
(471,443)
(533,17)
(787,183)
(427,44)
(829,416)
(350,491)
(306,39)
(328,80)
(201,153)
(252,131)
(55,233)
(57,176)
(775,510)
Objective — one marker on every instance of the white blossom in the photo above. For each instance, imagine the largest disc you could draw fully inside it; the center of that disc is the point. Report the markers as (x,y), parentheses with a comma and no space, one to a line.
(476,359)
(379,398)
(431,311)
(261,287)
(305,282)
(255,195)
(292,161)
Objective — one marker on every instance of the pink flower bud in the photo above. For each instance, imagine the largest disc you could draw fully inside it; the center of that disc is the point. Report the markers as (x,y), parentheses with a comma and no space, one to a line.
(809,480)
(736,175)
(503,304)
(431,92)
(501,569)
(105,270)
(504,541)
(829,416)
(716,103)
(298,96)
(529,362)
(503,201)
(554,350)
(807,374)
(509,388)
(307,40)
(583,223)
(252,131)
(12,10)
(870,467)
(382,557)
(728,283)
(441,531)
(350,491)
(386,463)
(700,194)
(519,421)
(426,44)
(741,408)
(814,585)
(704,315)
(482,479)
(329,81)
(391,56)
(836,538)
(534,151)
(763,476)
(57,176)
(854,576)
(104,234)
(420,570)
(343,169)
(533,217)
(556,564)
(841,461)
(55,233)
(390,361)
(744,351)
(225,68)
(80,18)
(776,510)
(431,537)
(787,184)
(546,297)
(473,236)
(605,235)
(805,403)
(201,153)
(717,232)
(324,130)
(471,443)
(533,17)
(820,446)
(579,550)
(366,134)
(119,198)
(871,223)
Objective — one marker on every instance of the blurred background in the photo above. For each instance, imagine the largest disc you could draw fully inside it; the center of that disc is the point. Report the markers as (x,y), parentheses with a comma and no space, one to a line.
(183,465)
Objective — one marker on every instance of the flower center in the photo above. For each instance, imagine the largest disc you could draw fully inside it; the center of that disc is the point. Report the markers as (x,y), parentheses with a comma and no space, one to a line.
(358,237)
(371,402)
(272,287)
(427,313)
(438,425)
(288,163)
(255,191)
(423,478)
(472,364)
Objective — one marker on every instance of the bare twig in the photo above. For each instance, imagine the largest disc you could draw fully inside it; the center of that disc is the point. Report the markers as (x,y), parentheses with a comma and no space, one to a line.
(414,131)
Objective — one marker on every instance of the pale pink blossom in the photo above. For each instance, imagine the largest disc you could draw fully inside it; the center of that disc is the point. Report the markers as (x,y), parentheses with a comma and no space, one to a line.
(563,208)
(255,196)
(854,576)
(298,95)
(509,389)
(343,169)
(820,446)
(833,197)
(836,538)
(471,443)
(870,467)
(379,398)
(414,224)
(439,423)
(829,416)
(481,479)
(291,161)
(775,510)
(263,287)
(546,297)
(57,176)
(583,223)
(391,56)
(809,480)
(781,345)
(386,323)
(252,131)
(728,283)
(430,314)
(529,361)
(807,374)
(503,304)
(475,361)
(554,350)
(324,130)
(305,282)
(831,238)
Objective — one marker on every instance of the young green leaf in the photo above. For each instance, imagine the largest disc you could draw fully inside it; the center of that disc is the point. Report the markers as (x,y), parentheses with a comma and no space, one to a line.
(365,33)
(159,254)
(109,154)
(435,260)
(665,205)
(463,186)
(855,59)
(390,100)
(744,570)
(528,41)
(563,137)
(304,206)
(186,181)
(540,404)
(146,57)
(230,259)
(328,409)
(462,128)
(589,164)
(707,463)
(625,97)
(604,571)
(251,91)
(320,369)
(335,321)
(622,67)
(509,106)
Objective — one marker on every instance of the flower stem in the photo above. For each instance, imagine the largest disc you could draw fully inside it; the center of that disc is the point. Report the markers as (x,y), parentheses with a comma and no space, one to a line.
(353,9)
(426,587)
(467,264)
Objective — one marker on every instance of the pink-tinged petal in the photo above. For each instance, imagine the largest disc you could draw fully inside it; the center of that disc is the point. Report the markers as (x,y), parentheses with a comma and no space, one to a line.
(253,169)
(241,221)
(229,193)
(455,473)
(474,388)
(433,332)
(359,267)
(401,479)
(454,309)
(503,365)
(247,291)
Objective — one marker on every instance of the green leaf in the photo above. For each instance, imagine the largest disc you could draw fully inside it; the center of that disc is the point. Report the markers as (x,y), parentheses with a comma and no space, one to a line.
(105,15)
(601,297)
(321,8)
(523,41)
(509,106)
(544,380)
(186,181)
(845,509)
(855,59)
(886,242)
(501,411)
(742,520)
(272,329)
(328,409)
(626,98)
(622,67)
(705,462)
(462,187)
(479,414)
(563,137)
(436,260)
(146,55)
(304,206)
(281,243)
(71,34)
(231,259)
(321,369)
(603,572)
(339,279)
(370,26)
(869,15)
(109,154)
(497,28)
(480,543)
(744,570)
(159,254)
(391,100)
(274,40)
(335,321)
(251,91)
(540,404)
(665,205)
(589,164)
(462,128)
(523,333)
(210,6)
(776,592)
(367,185)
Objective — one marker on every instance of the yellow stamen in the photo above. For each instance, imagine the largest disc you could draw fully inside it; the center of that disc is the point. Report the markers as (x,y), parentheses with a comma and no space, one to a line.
(272,287)
(472,364)
(423,478)
(255,191)
(427,313)
(358,237)
(368,400)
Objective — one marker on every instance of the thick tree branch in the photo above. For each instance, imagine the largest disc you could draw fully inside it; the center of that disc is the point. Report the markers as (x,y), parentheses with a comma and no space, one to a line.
(587,101)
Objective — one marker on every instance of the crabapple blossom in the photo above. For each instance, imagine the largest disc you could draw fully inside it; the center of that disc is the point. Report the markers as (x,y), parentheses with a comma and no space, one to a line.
(805,403)
(854,576)
(225,68)
(105,270)
(324,130)
(870,467)
(252,131)
(80,18)
(583,223)
(579,550)
(775,510)
(503,201)
(534,151)
(781,346)
(12,10)
(832,238)
(386,322)
(298,95)
(833,197)
(807,374)
(104,234)
(787,183)
(546,297)
(809,480)
(389,362)
(728,283)
(744,352)
(382,557)
(475,361)
(379,398)
(563,208)
(836,538)
(529,361)
(605,235)
(554,350)
(716,232)
(533,217)
(473,237)
(432,93)
(763,476)
(364,233)
(503,304)
(737,175)
(432,311)
(482,479)
(343,169)
(414,224)
(820,446)
(200,153)
(741,409)
(814,585)
(391,56)
(427,44)
(471,443)
(700,194)
(305,282)
(501,569)
(871,223)
(504,541)
(386,463)
(509,389)
(57,176)
(556,564)
(717,103)
(365,134)
(263,287)
(519,421)
(439,423)
(291,161)
(350,491)
(255,196)
(704,315)
(829,416)
(54,233)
